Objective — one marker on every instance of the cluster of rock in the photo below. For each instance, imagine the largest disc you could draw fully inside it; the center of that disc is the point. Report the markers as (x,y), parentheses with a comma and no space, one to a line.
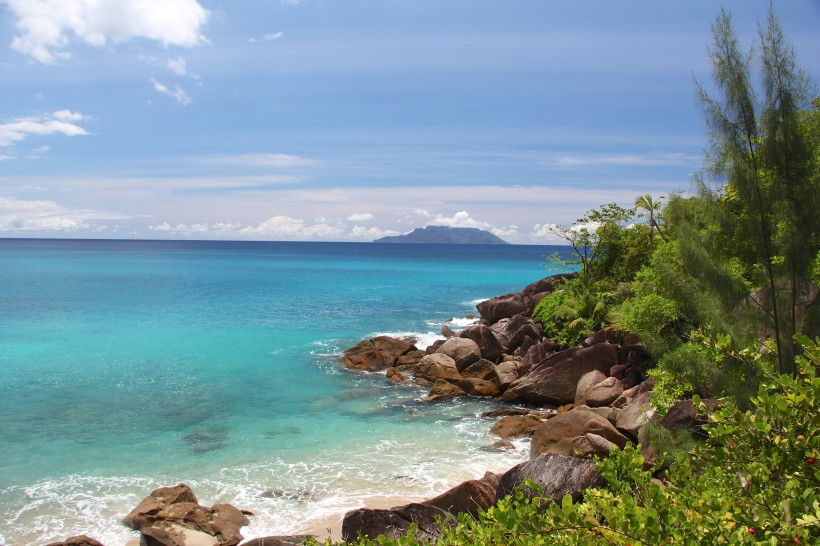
(172,516)
(583,400)
(574,402)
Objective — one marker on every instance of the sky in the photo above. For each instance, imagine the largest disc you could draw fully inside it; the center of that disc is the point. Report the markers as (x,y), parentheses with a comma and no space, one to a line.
(348,120)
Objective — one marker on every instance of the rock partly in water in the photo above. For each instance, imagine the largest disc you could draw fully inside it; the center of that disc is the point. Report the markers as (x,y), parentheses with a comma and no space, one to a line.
(436,366)
(506,306)
(377,354)
(171,516)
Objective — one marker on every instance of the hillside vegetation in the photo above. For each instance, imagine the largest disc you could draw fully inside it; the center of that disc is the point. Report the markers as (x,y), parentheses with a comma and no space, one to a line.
(722,288)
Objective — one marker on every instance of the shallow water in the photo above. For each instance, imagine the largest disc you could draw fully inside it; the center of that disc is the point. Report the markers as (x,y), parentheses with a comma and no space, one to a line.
(130,365)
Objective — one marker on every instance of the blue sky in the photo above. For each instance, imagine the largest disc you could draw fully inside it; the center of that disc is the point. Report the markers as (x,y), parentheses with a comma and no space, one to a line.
(348,120)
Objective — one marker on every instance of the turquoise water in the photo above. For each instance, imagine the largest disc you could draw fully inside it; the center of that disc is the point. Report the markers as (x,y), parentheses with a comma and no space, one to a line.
(129,365)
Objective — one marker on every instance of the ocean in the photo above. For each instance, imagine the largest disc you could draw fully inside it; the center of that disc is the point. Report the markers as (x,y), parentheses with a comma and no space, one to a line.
(131,365)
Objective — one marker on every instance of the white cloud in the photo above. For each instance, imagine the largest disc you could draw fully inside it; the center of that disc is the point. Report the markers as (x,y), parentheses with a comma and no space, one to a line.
(286,227)
(178,93)
(219,228)
(46,28)
(178,66)
(360,217)
(268,37)
(460,219)
(652,160)
(361,232)
(6,157)
(18,215)
(59,122)
(261,160)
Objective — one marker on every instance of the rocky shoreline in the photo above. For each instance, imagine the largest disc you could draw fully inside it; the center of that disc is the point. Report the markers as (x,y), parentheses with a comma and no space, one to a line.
(575,403)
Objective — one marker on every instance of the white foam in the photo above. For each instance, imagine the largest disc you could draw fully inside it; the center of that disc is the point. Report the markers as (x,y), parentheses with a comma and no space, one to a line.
(423,339)
(462,322)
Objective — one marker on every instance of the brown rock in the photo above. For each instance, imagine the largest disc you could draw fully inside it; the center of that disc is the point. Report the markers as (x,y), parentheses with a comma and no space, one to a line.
(488,344)
(444,389)
(478,387)
(559,433)
(148,508)
(500,307)
(395,522)
(587,381)
(376,354)
(604,392)
(508,372)
(555,380)
(80,540)
(436,366)
(483,369)
(470,496)
(516,426)
(395,376)
(463,351)
(633,417)
(556,475)
(410,359)
(592,445)
(291,540)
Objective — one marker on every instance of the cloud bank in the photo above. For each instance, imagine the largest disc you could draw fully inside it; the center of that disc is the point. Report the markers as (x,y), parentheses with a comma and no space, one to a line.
(46,28)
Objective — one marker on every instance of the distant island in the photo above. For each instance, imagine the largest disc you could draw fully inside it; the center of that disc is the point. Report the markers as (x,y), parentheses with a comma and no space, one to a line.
(446,235)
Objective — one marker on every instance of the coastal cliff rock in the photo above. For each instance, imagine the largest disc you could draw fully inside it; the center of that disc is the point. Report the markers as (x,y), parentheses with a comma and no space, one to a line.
(171,516)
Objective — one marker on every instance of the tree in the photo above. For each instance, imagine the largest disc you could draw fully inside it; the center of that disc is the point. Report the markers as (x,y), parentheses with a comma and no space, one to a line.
(760,153)
(652,207)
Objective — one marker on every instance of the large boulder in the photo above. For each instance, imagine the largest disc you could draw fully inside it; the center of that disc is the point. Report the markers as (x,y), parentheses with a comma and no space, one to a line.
(603,393)
(463,351)
(444,389)
(377,354)
(171,516)
(585,383)
(470,496)
(556,475)
(395,522)
(516,426)
(555,379)
(482,369)
(634,416)
(508,372)
(488,344)
(436,366)
(511,332)
(558,435)
(478,387)
(501,307)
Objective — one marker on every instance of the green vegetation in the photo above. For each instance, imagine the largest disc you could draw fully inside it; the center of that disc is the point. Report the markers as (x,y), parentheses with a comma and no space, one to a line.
(721,287)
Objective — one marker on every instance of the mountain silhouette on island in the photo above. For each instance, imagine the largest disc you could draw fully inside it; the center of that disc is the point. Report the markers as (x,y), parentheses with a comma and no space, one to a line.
(445,235)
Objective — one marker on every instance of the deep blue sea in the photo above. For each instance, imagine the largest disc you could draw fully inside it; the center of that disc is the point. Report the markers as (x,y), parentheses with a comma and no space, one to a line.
(130,365)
